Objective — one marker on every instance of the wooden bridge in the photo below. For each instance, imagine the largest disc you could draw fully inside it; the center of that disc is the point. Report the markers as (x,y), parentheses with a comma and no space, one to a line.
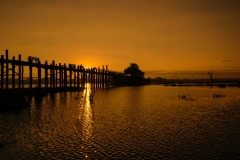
(52,77)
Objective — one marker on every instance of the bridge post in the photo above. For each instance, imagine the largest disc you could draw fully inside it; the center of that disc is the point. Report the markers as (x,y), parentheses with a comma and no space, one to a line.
(82,76)
(88,75)
(65,75)
(6,69)
(110,79)
(53,74)
(106,77)
(78,68)
(46,74)
(74,75)
(70,74)
(39,74)
(98,77)
(91,75)
(2,71)
(62,80)
(56,71)
(50,70)
(13,72)
(60,75)
(94,77)
(103,71)
(30,73)
(22,77)
(19,71)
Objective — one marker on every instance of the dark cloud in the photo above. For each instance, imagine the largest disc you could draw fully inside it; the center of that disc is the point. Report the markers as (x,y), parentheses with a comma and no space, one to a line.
(225,61)
(215,5)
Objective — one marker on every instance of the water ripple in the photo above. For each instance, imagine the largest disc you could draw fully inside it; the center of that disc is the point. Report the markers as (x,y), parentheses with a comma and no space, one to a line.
(147,122)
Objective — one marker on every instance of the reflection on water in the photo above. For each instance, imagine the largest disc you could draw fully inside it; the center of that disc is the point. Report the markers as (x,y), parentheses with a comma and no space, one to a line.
(85,118)
(148,122)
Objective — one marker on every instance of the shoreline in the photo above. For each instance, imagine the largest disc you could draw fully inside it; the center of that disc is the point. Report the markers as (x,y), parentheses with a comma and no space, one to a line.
(220,85)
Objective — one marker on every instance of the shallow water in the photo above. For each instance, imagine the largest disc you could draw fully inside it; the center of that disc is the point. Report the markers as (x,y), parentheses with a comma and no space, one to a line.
(127,122)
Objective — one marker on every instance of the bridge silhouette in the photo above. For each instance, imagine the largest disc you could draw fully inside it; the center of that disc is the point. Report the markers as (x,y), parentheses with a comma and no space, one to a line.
(52,77)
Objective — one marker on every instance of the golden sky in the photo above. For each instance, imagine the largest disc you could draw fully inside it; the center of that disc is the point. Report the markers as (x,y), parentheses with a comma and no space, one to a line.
(155,34)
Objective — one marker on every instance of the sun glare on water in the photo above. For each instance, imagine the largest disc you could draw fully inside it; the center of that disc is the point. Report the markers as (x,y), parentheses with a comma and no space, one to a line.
(86,113)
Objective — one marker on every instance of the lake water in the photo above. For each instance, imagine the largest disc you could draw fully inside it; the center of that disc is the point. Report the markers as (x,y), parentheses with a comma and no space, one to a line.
(148,122)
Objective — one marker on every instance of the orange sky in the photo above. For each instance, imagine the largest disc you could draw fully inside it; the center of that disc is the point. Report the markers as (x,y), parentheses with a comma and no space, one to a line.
(155,34)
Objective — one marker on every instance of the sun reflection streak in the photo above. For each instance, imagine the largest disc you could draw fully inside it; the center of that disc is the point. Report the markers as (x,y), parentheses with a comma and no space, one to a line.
(85,118)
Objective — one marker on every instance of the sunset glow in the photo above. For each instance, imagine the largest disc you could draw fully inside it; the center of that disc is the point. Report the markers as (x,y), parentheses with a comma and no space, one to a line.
(157,35)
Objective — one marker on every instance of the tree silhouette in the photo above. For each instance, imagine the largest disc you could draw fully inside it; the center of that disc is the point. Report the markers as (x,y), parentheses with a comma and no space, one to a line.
(134,71)
(210,76)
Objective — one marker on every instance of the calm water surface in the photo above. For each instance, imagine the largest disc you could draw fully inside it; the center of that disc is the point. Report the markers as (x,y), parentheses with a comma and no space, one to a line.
(129,122)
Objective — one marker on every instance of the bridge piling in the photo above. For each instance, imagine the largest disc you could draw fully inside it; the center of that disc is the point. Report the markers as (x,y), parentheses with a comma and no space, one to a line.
(6,54)
(2,72)
(13,72)
(19,71)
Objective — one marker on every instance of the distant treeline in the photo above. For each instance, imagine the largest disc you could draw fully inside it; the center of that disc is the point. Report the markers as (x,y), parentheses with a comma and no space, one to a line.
(215,80)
